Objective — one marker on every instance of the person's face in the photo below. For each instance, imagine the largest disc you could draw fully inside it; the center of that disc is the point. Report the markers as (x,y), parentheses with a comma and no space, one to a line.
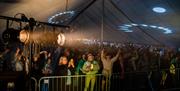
(35,58)
(90,58)
(71,61)
(63,61)
(83,56)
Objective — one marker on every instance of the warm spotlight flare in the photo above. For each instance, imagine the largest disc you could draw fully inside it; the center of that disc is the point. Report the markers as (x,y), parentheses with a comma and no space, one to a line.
(24,36)
(43,37)
(37,37)
(12,35)
(61,39)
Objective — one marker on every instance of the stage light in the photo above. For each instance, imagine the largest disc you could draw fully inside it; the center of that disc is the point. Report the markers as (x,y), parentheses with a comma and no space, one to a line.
(133,24)
(61,39)
(159,9)
(144,25)
(10,35)
(160,27)
(62,16)
(24,36)
(167,31)
(127,27)
(152,26)
(128,31)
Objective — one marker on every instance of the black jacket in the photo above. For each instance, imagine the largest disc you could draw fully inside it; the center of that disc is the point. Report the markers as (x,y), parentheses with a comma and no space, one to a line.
(61,70)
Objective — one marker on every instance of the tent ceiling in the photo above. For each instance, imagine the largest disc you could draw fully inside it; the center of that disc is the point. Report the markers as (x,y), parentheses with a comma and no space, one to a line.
(116,13)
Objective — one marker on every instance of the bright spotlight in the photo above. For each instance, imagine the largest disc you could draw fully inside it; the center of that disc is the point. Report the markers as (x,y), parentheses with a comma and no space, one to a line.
(61,39)
(126,28)
(24,36)
(11,35)
(159,9)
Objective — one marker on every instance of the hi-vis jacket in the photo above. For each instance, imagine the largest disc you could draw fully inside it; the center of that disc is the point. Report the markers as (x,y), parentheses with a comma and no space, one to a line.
(90,68)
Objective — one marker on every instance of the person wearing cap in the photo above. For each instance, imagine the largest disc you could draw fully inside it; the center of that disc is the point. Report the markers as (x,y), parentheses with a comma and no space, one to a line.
(90,68)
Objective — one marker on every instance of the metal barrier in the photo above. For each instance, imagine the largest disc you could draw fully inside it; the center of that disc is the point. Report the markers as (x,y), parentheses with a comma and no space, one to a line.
(71,83)
(34,84)
(133,81)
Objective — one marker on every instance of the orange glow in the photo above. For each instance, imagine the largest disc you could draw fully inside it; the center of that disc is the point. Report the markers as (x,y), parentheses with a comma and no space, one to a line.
(24,36)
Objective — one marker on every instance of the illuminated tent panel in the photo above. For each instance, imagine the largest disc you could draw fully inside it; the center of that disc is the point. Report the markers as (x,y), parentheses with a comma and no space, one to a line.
(87,19)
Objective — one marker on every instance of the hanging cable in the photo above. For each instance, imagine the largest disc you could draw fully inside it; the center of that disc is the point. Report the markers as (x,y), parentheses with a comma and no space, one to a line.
(23,18)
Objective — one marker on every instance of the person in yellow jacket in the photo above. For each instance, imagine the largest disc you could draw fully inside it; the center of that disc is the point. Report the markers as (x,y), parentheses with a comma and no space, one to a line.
(172,67)
(90,68)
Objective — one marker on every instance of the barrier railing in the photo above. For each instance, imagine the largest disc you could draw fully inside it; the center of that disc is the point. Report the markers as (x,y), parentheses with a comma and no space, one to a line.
(154,80)
(71,83)
(34,84)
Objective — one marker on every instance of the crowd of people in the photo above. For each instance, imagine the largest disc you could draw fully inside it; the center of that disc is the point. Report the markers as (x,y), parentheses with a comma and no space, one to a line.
(64,61)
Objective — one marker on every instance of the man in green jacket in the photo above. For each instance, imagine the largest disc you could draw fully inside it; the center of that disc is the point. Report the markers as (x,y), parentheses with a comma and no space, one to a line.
(80,65)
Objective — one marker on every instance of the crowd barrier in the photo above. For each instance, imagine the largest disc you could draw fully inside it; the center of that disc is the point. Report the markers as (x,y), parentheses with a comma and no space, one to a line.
(34,84)
(71,83)
(132,81)
(154,80)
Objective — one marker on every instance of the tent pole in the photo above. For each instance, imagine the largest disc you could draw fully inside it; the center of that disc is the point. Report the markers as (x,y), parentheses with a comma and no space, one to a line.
(102,24)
